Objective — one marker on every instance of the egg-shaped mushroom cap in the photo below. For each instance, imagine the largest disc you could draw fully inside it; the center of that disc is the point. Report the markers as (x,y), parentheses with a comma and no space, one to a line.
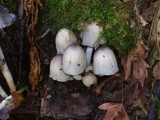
(89,79)
(91,34)
(104,62)
(74,60)
(64,38)
(56,72)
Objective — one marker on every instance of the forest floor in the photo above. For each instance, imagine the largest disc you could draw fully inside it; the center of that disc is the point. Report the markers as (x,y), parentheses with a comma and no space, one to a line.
(127,95)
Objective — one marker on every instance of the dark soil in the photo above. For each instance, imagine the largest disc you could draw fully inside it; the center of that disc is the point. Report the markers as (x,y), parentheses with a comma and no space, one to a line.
(71,100)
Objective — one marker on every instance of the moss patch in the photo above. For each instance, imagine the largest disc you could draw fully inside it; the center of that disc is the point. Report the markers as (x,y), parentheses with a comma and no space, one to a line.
(10,4)
(112,15)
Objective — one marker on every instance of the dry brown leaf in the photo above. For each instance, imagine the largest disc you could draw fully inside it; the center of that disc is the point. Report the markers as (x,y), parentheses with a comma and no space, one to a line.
(156,71)
(34,67)
(140,71)
(115,111)
(28,7)
(136,62)
(98,89)
(141,20)
(32,9)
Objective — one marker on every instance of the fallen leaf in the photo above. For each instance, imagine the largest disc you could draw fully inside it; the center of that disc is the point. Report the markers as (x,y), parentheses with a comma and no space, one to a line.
(32,9)
(99,87)
(140,71)
(142,21)
(156,71)
(136,63)
(34,75)
(28,7)
(115,111)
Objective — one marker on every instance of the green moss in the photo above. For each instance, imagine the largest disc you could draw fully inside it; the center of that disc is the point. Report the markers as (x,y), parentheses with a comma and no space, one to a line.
(10,4)
(112,15)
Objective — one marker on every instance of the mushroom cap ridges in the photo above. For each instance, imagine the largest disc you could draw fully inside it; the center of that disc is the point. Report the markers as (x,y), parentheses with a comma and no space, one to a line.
(74,60)
(56,72)
(104,62)
(64,38)
(91,34)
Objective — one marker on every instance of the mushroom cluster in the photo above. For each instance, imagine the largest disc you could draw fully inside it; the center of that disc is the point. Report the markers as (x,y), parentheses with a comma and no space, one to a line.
(74,59)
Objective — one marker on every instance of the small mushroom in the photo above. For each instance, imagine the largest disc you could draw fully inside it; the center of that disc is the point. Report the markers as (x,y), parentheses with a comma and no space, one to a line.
(64,38)
(89,79)
(56,72)
(74,60)
(104,62)
(89,36)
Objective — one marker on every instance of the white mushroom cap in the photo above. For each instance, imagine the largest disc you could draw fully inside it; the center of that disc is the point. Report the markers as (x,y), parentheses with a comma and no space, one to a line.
(64,38)
(56,72)
(6,18)
(104,62)
(91,34)
(89,79)
(77,77)
(74,60)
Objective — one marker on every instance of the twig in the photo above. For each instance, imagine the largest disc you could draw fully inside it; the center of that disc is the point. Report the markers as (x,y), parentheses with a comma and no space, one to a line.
(21,34)
(151,112)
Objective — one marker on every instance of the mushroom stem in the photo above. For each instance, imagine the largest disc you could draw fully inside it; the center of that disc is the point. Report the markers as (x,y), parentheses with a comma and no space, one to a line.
(2,92)
(89,51)
(9,102)
(7,74)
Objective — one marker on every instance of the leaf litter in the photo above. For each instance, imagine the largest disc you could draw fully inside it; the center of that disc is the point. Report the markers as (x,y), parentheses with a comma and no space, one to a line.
(122,97)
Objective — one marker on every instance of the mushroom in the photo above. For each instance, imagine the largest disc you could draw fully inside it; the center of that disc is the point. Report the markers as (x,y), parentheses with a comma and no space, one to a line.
(74,60)
(89,36)
(6,73)
(56,72)
(64,38)
(77,77)
(11,102)
(89,79)
(104,62)
(2,92)
(6,18)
